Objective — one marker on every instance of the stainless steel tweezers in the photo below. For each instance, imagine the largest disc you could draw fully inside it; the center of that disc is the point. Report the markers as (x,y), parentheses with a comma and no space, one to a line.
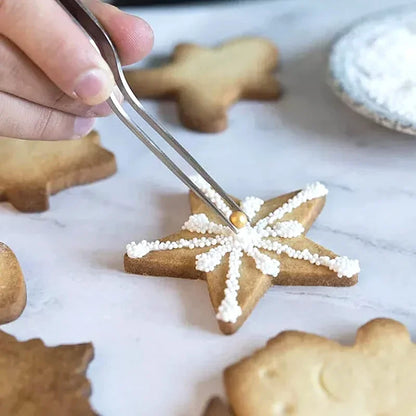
(98,35)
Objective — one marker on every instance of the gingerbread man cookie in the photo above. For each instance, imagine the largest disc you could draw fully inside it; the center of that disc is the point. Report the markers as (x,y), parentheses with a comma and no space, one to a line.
(240,268)
(36,380)
(206,82)
(306,375)
(12,286)
(32,170)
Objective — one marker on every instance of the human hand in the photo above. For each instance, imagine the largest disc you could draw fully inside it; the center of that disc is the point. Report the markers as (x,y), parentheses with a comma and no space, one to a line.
(53,82)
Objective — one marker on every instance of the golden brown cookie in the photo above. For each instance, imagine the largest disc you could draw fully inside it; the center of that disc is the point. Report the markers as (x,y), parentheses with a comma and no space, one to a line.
(207,81)
(36,380)
(32,170)
(306,375)
(216,407)
(240,268)
(12,286)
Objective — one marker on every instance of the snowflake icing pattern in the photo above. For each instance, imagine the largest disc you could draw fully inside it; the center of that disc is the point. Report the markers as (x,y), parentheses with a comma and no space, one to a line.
(253,240)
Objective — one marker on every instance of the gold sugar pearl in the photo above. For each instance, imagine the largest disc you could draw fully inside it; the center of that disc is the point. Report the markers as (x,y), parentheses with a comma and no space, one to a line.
(239,219)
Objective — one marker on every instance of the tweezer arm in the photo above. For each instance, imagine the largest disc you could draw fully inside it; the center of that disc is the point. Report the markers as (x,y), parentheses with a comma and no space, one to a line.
(100,38)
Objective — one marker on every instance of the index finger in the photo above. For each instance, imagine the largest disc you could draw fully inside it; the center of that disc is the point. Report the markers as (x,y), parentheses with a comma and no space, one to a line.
(48,36)
(132,35)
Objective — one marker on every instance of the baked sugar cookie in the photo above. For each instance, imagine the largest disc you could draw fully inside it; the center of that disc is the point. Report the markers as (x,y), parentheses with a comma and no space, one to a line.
(207,81)
(306,375)
(32,170)
(36,380)
(216,407)
(12,286)
(240,268)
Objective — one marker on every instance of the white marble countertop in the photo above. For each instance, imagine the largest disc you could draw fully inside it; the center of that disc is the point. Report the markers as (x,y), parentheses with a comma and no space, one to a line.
(157,347)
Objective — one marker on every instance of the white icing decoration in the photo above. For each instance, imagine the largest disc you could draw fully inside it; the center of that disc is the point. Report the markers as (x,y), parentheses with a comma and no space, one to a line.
(208,261)
(251,206)
(312,191)
(285,229)
(230,310)
(138,250)
(247,241)
(200,223)
(203,185)
(265,263)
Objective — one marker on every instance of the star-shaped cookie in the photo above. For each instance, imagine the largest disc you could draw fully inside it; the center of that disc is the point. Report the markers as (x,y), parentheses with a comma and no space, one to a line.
(239,268)
(36,380)
(306,375)
(207,81)
(12,286)
(32,170)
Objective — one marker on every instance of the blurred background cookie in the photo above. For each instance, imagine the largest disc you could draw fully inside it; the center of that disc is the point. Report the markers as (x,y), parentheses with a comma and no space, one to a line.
(205,82)
(36,380)
(303,374)
(32,170)
(12,286)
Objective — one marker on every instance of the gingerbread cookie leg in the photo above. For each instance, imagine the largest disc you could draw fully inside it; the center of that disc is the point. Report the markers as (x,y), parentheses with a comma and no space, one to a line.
(266,88)
(29,197)
(216,407)
(207,114)
(12,286)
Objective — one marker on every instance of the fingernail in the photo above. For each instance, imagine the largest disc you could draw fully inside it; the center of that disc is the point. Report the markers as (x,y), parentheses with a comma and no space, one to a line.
(83,126)
(100,110)
(94,86)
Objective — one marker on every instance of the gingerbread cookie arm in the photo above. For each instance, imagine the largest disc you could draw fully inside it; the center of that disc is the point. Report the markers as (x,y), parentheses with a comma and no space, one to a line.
(184,51)
(260,82)
(155,82)
(256,52)
(12,286)
(265,88)
(382,334)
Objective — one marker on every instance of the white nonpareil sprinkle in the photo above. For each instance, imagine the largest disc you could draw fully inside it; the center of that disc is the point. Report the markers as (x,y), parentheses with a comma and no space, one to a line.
(220,240)
(386,69)
(203,185)
(376,63)
(230,310)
